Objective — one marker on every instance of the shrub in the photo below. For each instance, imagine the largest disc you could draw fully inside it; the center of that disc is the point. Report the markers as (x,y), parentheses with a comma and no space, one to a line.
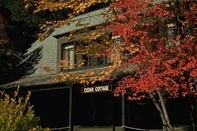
(16,114)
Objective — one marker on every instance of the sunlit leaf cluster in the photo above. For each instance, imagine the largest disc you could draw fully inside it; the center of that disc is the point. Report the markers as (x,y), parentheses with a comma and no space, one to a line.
(94,44)
(71,8)
(77,6)
(17,114)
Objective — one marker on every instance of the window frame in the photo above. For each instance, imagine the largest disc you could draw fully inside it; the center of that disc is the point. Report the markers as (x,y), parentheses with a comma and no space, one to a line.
(91,62)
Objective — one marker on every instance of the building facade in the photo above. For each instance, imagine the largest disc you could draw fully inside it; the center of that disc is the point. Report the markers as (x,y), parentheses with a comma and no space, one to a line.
(69,106)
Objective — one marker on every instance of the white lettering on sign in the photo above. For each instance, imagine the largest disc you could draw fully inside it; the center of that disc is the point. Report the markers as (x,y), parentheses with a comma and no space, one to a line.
(102,88)
(86,90)
(96,89)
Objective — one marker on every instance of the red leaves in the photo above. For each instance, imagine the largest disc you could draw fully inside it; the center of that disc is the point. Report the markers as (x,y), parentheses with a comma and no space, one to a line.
(166,58)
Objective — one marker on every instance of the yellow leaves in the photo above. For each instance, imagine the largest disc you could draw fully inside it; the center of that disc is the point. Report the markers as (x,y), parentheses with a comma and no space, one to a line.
(70,7)
(91,73)
(77,6)
(93,43)
(16,113)
(47,69)
(80,63)
(29,3)
(133,50)
(63,64)
(27,6)
(51,6)
(63,77)
(93,36)
(84,76)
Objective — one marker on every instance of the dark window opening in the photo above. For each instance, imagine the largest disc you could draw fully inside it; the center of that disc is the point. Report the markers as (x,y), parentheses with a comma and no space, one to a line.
(96,109)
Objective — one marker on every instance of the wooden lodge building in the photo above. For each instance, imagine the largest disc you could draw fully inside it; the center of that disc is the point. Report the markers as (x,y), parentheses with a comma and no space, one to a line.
(75,107)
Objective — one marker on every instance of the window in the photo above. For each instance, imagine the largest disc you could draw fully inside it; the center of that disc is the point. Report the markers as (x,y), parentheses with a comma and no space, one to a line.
(117,40)
(170,35)
(96,61)
(72,60)
(68,56)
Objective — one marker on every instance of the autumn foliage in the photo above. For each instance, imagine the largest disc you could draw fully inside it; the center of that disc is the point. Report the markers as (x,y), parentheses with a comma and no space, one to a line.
(17,114)
(166,59)
(157,38)
(71,8)
(165,35)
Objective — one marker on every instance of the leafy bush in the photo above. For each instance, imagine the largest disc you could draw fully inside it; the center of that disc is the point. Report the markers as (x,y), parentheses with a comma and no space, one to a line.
(16,114)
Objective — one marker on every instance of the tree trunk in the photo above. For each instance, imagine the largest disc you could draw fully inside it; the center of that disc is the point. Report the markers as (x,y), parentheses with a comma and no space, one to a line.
(163,106)
(192,112)
(162,111)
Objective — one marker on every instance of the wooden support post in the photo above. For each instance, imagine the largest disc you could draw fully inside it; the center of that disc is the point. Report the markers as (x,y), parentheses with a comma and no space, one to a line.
(123,112)
(70,109)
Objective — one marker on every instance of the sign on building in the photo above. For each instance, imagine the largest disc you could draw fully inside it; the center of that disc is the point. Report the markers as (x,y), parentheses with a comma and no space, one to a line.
(96,89)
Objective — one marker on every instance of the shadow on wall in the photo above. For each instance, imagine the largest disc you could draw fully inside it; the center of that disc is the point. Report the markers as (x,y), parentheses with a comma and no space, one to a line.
(27,65)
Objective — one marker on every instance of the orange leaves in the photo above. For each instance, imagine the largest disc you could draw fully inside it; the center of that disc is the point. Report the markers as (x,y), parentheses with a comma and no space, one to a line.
(62,11)
(77,6)
(83,77)
(50,5)
(147,36)
(94,44)
(47,69)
